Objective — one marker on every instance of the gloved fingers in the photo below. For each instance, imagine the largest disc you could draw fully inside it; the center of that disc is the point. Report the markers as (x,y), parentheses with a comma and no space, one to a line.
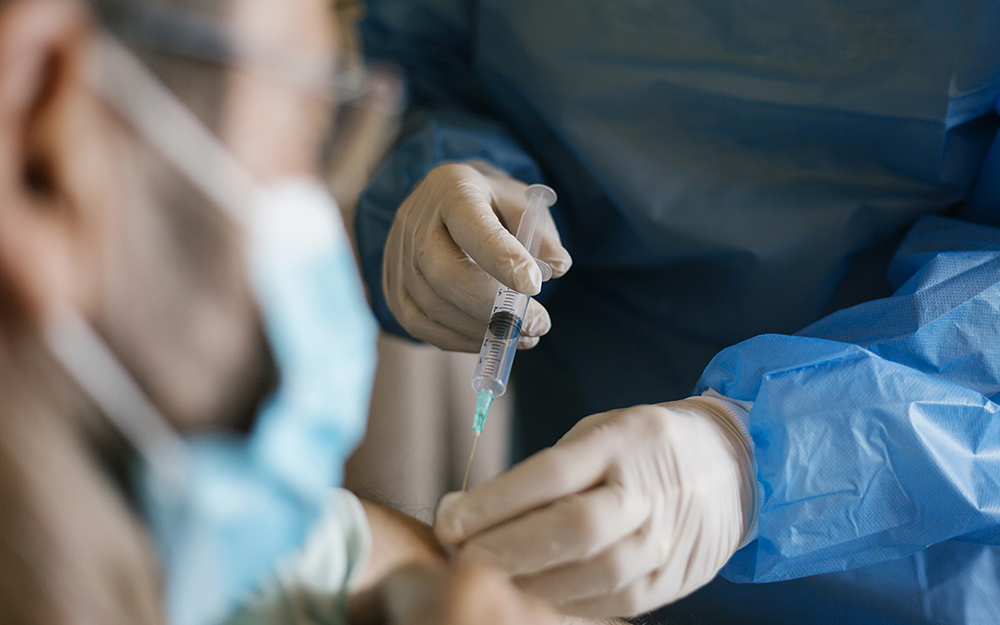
(453,274)
(429,318)
(527,342)
(635,598)
(585,426)
(423,328)
(674,581)
(574,528)
(642,572)
(397,272)
(440,310)
(551,249)
(617,566)
(467,212)
(536,321)
(547,476)
(702,539)
(457,279)
(511,205)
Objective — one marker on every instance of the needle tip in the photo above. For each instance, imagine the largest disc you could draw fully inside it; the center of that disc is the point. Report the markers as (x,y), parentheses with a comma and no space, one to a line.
(468,467)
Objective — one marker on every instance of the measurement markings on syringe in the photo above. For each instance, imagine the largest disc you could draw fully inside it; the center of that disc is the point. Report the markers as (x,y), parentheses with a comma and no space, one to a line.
(503,326)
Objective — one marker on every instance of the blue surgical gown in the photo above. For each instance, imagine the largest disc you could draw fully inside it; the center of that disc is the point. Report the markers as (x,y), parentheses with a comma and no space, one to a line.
(793,203)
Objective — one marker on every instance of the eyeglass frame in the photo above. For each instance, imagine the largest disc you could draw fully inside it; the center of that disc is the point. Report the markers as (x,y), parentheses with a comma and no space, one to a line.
(192,36)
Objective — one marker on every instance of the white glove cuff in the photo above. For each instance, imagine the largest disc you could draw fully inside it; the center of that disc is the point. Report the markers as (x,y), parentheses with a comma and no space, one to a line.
(734,417)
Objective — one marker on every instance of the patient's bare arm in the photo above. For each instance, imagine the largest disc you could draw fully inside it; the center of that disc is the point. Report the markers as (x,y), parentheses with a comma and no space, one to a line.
(408,581)
(397,540)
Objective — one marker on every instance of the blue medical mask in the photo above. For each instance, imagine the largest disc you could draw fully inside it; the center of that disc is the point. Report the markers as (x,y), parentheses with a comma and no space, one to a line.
(224,507)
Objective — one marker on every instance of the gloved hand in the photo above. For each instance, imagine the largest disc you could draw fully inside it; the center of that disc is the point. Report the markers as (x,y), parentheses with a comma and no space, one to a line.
(630,510)
(448,238)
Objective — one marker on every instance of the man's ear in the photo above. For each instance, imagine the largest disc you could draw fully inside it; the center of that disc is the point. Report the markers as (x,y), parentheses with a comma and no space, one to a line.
(54,160)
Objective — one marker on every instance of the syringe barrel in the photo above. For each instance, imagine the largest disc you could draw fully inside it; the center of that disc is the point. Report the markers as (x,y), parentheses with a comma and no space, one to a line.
(500,344)
(497,354)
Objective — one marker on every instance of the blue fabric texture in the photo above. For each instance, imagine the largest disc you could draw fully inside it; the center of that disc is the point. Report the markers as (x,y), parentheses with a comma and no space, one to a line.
(872,422)
(803,198)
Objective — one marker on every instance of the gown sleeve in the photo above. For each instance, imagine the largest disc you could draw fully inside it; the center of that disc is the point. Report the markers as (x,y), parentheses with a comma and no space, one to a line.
(876,429)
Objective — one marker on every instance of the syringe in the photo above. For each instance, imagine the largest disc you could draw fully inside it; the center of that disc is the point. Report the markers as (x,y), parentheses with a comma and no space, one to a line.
(497,354)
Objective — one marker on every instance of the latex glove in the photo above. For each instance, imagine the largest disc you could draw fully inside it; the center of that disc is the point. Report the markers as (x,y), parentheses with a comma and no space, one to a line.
(448,241)
(438,595)
(632,509)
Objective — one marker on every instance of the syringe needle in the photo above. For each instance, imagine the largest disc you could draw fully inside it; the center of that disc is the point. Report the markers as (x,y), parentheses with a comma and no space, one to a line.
(468,468)
(496,357)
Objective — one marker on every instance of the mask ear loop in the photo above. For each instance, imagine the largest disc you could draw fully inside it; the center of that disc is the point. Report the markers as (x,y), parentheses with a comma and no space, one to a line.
(135,93)
(92,365)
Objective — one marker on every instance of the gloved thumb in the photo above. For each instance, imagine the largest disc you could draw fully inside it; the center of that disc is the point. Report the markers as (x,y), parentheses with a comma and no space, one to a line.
(468,214)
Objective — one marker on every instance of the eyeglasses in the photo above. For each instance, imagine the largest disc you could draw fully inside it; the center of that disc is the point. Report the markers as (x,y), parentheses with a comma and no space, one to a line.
(195,37)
